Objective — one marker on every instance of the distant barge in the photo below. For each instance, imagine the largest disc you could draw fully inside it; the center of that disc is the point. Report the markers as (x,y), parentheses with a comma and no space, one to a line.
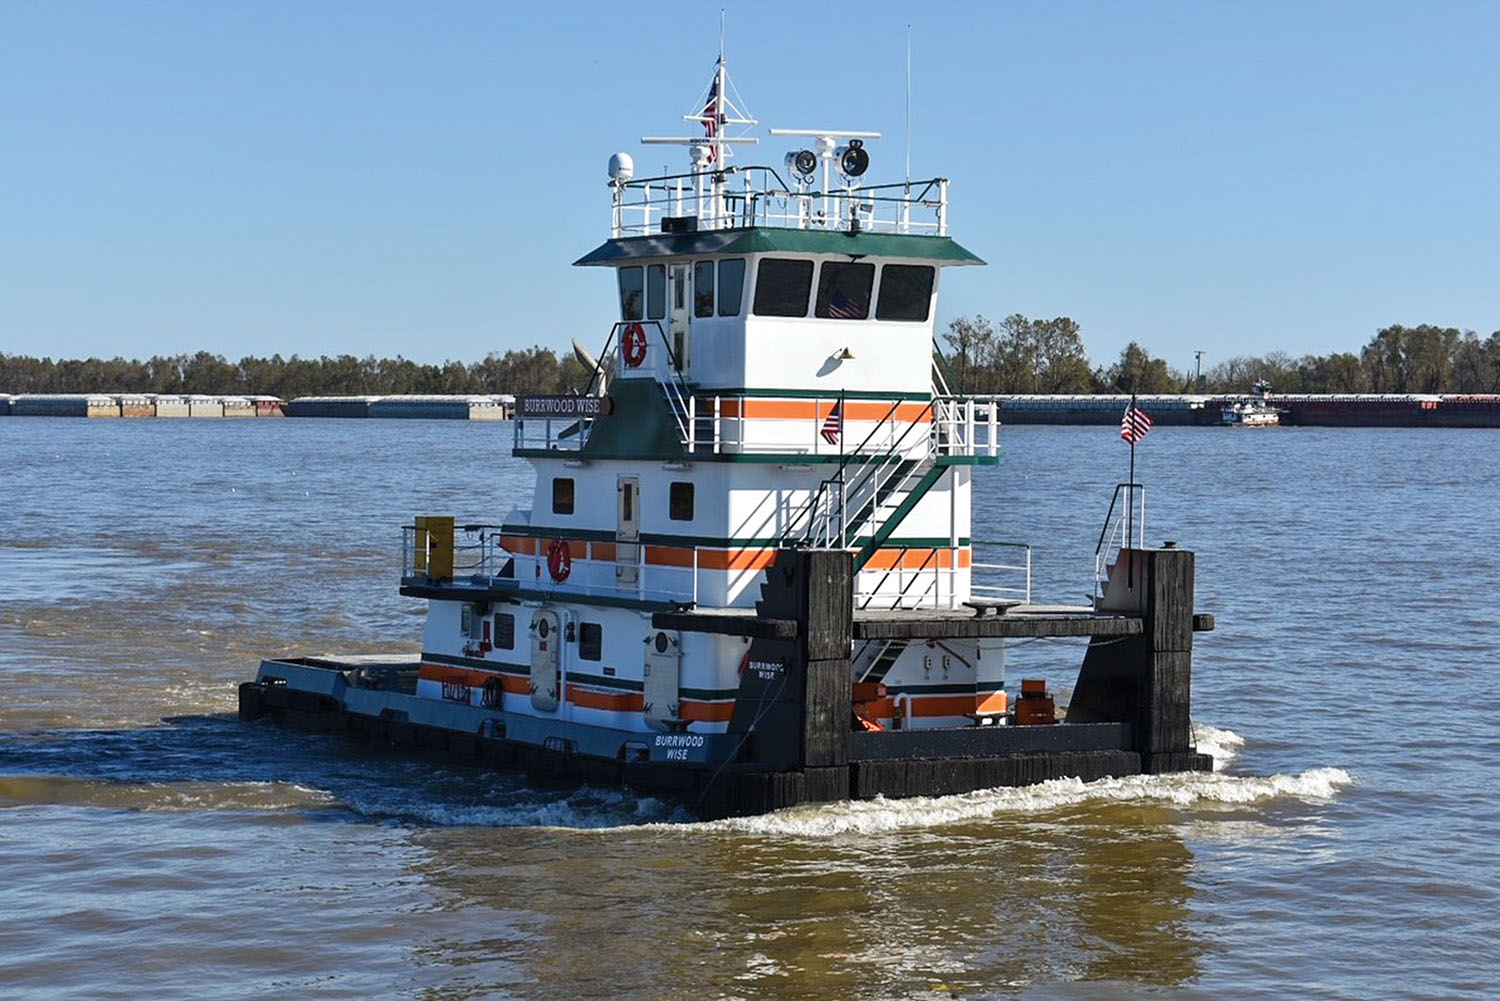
(1304,409)
(1307,410)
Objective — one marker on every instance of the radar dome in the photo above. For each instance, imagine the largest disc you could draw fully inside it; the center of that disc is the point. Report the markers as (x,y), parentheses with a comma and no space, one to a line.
(621,167)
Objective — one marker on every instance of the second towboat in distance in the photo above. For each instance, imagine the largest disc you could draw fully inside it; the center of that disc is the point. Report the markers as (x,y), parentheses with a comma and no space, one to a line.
(747,578)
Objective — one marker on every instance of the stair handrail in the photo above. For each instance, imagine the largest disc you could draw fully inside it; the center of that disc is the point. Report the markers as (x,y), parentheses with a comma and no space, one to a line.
(875,475)
(679,395)
(1117,530)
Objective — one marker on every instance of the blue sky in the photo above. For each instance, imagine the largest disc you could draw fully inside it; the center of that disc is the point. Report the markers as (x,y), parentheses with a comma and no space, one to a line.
(416,178)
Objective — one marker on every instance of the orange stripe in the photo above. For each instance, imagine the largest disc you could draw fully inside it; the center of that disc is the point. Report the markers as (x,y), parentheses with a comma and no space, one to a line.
(996,703)
(587,698)
(669,556)
(803,410)
(706,712)
(455,675)
(518,544)
(943,705)
(736,559)
(602,551)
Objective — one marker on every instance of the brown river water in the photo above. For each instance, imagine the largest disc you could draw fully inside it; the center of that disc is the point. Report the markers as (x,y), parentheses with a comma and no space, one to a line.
(151,845)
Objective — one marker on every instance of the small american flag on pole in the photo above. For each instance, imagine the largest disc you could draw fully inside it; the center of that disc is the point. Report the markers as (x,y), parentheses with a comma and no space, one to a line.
(1135,424)
(833,424)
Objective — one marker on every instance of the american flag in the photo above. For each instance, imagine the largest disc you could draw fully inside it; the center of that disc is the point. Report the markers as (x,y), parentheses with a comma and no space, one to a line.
(1135,424)
(833,425)
(710,115)
(840,306)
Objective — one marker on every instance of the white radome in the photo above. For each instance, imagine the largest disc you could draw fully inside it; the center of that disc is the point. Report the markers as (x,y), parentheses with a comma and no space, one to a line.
(621,167)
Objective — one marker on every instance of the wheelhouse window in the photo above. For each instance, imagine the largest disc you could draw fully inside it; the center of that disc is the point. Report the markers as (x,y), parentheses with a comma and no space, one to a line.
(844,290)
(731,286)
(703,288)
(505,631)
(590,641)
(905,292)
(656,291)
(782,287)
(631,290)
(562,495)
(680,502)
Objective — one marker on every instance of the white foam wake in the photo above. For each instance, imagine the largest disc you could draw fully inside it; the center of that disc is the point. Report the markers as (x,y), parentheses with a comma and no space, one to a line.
(1184,791)
(1222,744)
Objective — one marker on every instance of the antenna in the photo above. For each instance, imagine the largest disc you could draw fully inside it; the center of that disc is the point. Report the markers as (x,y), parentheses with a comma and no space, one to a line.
(908,104)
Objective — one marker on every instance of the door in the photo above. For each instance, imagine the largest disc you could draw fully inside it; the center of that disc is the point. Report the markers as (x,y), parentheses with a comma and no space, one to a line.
(628,532)
(546,640)
(663,671)
(679,316)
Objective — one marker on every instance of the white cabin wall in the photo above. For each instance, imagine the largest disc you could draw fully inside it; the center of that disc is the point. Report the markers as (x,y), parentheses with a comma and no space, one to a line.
(801,354)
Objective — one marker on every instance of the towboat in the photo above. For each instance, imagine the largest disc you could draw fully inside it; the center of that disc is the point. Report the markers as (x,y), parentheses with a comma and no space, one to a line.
(1257,411)
(748,575)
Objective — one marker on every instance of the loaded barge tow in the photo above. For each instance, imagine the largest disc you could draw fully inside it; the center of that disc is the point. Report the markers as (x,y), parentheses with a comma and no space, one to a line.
(748,578)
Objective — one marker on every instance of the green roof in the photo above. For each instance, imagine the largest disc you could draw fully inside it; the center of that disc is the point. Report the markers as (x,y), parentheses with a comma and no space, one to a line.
(775,240)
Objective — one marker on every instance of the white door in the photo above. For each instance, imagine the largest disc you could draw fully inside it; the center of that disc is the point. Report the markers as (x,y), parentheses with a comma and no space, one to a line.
(679,316)
(546,638)
(663,671)
(628,531)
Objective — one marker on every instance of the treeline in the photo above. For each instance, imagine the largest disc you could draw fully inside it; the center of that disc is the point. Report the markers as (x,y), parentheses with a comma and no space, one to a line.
(533,370)
(1022,355)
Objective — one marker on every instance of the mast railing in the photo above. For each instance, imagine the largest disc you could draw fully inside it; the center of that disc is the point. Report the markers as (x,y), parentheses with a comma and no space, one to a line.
(710,199)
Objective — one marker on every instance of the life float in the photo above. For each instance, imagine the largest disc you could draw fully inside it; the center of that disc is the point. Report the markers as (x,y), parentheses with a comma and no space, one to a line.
(633,345)
(559,560)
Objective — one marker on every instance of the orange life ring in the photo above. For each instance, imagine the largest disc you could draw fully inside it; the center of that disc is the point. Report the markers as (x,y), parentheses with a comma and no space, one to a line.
(633,345)
(559,560)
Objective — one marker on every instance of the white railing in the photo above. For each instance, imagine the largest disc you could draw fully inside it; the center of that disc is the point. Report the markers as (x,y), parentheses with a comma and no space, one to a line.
(1124,526)
(712,200)
(930,584)
(477,552)
(999,581)
(598,577)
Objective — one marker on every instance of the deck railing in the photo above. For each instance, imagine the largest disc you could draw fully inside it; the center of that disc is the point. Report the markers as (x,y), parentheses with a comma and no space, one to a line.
(757,196)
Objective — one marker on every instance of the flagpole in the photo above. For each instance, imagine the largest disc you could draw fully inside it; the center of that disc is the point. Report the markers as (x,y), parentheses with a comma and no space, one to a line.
(1130,483)
(843,499)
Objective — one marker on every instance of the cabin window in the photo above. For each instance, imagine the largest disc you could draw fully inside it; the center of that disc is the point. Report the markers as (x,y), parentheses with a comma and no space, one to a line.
(782,287)
(731,286)
(656,291)
(630,293)
(905,292)
(703,288)
(680,502)
(590,641)
(562,495)
(844,290)
(505,631)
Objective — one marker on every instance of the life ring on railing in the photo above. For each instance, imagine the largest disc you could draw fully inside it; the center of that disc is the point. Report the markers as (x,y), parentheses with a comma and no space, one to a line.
(559,560)
(633,345)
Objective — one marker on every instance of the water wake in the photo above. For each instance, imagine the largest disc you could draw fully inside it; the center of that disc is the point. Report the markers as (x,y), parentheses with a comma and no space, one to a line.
(158,797)
(1184,791)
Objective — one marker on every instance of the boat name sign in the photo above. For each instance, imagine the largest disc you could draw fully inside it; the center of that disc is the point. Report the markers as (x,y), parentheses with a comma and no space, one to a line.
(564,406)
